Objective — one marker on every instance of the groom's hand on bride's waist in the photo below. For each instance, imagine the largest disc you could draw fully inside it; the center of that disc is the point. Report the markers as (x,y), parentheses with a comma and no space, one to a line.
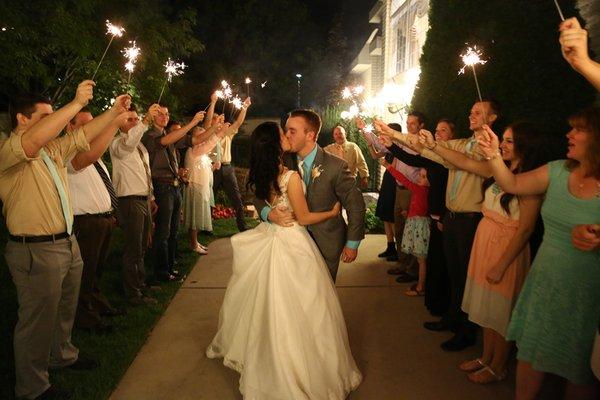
(282,216)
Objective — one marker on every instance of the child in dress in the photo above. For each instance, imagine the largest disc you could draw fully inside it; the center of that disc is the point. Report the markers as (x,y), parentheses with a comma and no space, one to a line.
(415,239)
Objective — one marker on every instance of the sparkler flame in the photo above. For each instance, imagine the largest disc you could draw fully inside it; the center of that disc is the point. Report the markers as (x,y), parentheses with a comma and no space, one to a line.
(248,81)
(129,66)
(369,128)
(346,93)
(114,30)
(237,102)
(224,84)
(470,58)
(262,85)
(173,69)
(219,94)
(357,90)
(131,54)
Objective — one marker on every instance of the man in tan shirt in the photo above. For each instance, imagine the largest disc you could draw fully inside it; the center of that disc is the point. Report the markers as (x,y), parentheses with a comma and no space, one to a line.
(463,200)
(42,254)
(351,153)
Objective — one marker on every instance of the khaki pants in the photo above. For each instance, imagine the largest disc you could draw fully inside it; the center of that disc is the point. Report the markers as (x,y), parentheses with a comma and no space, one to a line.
(47,277)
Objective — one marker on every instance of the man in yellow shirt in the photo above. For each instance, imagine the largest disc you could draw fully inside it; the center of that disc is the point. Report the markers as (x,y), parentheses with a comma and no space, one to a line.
(351,153)
(42,253)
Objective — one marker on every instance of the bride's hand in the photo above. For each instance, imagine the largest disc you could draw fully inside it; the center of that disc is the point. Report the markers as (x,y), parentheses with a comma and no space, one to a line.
(337,209)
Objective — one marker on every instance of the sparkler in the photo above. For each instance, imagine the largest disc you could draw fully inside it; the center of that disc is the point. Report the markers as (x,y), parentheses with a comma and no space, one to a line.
(263,85)
(470,59)
(225,93)
(353,94)
(237,105)
(113,31)
(248,82)
(171,69)
(131,54)
(560,13)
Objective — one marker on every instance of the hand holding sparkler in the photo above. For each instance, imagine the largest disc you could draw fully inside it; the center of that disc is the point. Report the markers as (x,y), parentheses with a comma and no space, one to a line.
(383,128)
(84,93)
(113,31)
(247,102)
(199,117)
(121,104)
(385,140)
(488,142)
(574,43)
(151,114)
(426,139)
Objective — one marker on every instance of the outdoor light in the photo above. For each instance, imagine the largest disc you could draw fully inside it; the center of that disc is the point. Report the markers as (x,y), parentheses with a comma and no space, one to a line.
(298,76)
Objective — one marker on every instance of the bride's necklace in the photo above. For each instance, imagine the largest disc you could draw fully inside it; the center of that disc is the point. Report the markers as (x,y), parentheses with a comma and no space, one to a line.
(581,186)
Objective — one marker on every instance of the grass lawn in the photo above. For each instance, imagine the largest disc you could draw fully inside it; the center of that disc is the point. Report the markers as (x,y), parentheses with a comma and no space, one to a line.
(114,351)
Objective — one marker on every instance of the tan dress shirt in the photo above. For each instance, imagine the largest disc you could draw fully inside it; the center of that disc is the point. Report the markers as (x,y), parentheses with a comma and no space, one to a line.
(31,202)
(463,192)
(351,153)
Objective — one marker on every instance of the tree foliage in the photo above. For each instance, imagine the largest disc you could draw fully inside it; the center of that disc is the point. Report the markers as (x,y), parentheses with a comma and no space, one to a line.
(51,47)
(525,71)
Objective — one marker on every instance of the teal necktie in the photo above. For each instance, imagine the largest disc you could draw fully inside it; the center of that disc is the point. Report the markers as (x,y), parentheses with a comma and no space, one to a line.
(64,202)
(305,172)
(458,174)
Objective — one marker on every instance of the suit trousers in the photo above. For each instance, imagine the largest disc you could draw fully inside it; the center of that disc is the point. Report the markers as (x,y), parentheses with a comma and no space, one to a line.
(93,234)
(459,233)
(225,177)
(47,277)
(135,220)
(437,285)
(168,199)
(407,261)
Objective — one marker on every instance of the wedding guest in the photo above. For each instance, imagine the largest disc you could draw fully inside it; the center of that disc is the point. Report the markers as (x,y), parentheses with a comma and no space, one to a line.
(415,238)
(500,255)
(556,316)
(224,177)
(133,185)
(95,208)
(351,153)
(197,197)
(437,286)
(165,179)
(42,254)
(463,201)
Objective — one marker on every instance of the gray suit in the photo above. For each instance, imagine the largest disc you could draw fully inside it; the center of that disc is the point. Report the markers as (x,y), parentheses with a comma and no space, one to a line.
(334,184)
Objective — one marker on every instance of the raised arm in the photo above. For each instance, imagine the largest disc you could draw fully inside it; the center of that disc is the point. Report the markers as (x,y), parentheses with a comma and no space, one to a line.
(100,143)
(458,159)
(98,125)
(574,46)
(49,127)
(298,203)
(211,110)
(177,134)
(528,183)
(234,128)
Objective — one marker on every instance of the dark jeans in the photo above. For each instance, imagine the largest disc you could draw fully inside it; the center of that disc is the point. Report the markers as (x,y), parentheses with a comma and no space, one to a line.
(437,285)
(459,232)
(225,177)
(93,235)
(136,223)
(168,200)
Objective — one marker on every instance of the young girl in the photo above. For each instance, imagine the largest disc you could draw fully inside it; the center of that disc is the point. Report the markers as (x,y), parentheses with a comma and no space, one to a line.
(415,239)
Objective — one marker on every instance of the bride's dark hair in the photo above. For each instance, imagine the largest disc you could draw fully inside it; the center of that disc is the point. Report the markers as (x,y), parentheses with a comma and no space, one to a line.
(265,159)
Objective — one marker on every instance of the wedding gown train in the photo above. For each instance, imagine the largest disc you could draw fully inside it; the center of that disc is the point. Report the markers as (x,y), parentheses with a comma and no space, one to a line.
(281,325)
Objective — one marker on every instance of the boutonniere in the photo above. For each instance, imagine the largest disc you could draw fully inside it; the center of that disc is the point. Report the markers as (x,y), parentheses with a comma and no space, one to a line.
(316,172)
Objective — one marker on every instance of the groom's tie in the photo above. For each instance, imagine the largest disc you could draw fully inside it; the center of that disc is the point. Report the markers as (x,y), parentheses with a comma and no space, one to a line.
(303,168)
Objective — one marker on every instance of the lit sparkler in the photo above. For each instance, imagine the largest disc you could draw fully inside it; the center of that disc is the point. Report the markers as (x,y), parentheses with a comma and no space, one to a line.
(471,58)
(131,54)
(263,85)
(171,69)
(248,82)
(113,31)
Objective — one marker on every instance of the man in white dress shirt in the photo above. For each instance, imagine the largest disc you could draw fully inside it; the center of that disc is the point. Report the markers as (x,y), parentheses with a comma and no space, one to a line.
(94,209)
(133,184)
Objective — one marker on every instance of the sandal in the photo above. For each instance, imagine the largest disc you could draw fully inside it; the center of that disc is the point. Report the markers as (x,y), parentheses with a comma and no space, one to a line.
(414,292)
(486,375)
(472,365)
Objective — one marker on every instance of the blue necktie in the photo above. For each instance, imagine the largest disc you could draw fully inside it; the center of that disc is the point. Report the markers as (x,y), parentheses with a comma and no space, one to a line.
(458,174)
(64,202)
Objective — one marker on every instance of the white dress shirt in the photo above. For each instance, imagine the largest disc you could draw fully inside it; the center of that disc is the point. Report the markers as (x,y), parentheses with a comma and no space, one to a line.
(129,174)
(88,192)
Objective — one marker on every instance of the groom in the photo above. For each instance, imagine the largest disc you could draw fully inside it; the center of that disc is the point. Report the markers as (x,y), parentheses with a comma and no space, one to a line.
(327,180)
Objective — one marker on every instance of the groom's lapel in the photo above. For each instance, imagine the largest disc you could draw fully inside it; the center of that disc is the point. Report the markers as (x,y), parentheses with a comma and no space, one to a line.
(316,163)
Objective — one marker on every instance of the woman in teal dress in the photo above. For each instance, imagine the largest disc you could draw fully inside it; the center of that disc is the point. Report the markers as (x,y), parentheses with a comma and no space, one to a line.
(556,316)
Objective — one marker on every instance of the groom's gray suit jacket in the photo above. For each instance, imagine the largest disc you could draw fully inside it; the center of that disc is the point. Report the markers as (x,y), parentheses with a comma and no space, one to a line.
(333,184)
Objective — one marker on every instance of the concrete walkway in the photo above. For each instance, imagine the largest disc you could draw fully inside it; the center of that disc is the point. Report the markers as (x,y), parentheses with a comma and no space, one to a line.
(398,358)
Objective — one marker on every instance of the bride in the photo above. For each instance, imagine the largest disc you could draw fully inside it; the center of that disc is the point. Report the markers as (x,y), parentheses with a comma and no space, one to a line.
(281,325)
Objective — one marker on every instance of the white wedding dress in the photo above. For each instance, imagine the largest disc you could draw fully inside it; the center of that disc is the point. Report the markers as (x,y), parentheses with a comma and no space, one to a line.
(281,325)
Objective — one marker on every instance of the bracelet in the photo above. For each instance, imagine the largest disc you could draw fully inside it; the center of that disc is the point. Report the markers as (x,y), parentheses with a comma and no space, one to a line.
(495,155)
